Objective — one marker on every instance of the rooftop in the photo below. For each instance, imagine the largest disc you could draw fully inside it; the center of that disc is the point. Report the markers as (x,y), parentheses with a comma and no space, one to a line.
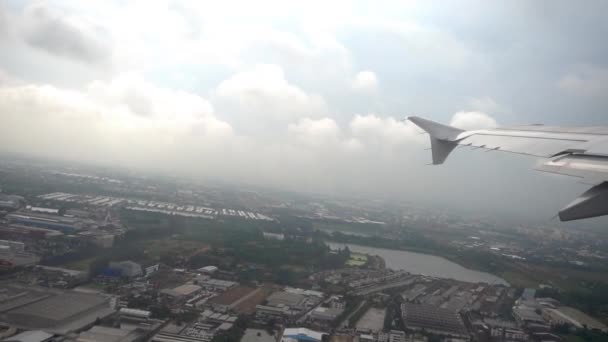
(51,309)
(30,336)
(432,318)
(285,298)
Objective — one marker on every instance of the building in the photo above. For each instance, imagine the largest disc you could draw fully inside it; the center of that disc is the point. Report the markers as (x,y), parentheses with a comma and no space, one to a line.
(325,314)
(573,317)
(126,268)
(525,315)
(10,202)
(106,334)
(214,284)
(288,305)
(15,246)
(183,291)
(148,271)
(396,336)
(287,299)
(135,313)
(208,269)
(31,336)
(38,220)
(195,332)
(274,236)
(301,334)
(58,277)
(433,319)
(267,313)
(52,310)
(14,256)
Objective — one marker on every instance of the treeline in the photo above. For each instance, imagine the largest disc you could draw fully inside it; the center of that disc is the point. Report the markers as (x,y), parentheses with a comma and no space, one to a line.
(593,300)
(415,243)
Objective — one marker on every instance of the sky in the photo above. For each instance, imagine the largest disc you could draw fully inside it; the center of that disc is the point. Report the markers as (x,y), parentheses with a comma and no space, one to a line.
(304,95)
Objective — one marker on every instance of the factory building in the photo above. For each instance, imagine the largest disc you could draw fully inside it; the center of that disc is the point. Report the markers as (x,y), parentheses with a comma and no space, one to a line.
(214,284)
(31,336)
(182,292)
(60,223)
(208,269)
(433,319)
(54,311)
(325,314)
(301,334)
(13,254)
(10,202)
(16,246)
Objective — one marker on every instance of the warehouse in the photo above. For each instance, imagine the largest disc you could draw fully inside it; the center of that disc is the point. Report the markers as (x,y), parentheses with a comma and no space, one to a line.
(52,310)
(433,319)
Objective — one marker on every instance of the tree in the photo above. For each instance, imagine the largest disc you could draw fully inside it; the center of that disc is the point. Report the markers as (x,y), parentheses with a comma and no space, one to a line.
(98,266)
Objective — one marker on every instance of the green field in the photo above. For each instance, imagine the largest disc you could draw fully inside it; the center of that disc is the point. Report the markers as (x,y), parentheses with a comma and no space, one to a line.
(356,259)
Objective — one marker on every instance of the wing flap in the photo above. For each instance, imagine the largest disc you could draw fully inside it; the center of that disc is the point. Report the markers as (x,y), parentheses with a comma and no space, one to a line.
(539,147)
(591,169)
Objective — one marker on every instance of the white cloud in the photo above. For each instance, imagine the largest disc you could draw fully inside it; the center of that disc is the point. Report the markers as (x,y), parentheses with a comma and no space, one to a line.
(315,132)
(265,92)
(472,120)
(100,123)
(586,81)
(365,81)
(372,128)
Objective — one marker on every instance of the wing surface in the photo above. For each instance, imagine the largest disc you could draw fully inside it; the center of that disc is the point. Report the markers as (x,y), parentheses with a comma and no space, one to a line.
(573,151)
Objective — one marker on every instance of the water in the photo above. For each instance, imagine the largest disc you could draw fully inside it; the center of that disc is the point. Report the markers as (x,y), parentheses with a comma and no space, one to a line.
(419,263)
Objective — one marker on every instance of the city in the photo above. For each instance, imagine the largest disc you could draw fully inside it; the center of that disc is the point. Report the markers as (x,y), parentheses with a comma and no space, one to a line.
(176,265)
(303,171)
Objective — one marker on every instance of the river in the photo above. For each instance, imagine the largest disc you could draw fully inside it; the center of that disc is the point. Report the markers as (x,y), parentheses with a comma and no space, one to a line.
(419,263)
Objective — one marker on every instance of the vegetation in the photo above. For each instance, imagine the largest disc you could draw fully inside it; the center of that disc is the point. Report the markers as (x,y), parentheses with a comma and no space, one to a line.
(392,319)
(352,303)
(235,333)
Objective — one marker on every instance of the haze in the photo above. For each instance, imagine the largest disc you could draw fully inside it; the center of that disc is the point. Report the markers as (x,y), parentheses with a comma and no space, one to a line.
(305,96)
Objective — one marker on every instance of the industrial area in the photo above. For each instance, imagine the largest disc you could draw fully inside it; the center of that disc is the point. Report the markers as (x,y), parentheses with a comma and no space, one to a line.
(109,268)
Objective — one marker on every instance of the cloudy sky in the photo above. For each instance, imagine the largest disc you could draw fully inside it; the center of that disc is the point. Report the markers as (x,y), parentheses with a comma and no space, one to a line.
(304,95)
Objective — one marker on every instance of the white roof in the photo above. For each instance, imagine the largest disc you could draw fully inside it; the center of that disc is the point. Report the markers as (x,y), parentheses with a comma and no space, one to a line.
(30,336)
(295,332)
(208,268)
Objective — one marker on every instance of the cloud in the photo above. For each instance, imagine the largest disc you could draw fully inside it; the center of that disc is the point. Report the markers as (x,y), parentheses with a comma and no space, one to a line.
(365,82)
(313,132)
(91,125)
(375,129)
(472,120)
(263,91)
(586,81)
(64,35)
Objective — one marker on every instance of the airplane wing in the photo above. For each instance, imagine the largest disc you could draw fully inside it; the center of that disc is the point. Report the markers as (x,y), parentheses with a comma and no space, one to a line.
(573,151)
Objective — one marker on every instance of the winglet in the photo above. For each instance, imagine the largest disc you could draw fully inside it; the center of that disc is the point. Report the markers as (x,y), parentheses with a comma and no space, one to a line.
(435,129)
(443,137)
